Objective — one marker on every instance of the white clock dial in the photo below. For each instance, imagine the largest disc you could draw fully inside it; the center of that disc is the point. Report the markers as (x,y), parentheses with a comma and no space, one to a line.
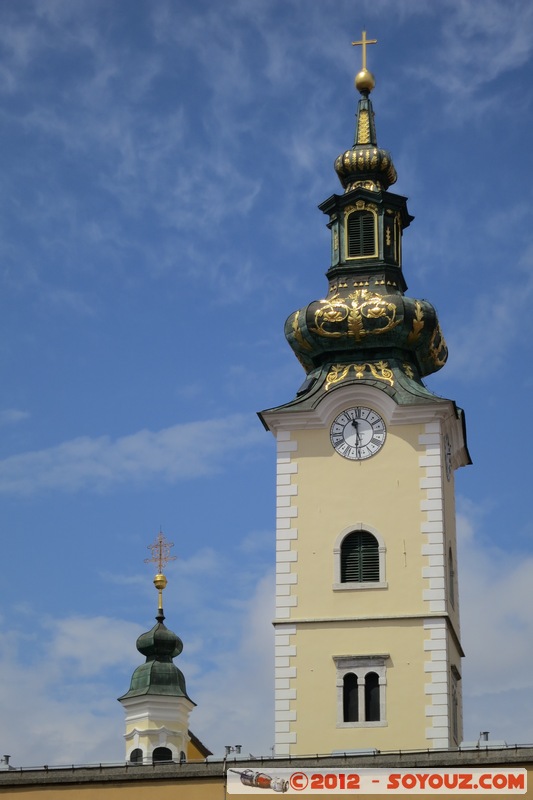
(358,433)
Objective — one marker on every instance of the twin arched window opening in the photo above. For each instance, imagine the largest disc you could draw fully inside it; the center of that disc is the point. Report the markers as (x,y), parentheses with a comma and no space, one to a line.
(361,694)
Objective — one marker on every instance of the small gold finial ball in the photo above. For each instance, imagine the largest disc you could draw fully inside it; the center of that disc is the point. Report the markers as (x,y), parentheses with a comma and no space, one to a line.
(364,81)
(160,581)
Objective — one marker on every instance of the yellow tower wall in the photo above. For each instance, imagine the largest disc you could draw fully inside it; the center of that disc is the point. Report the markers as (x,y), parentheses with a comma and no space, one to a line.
(403,627)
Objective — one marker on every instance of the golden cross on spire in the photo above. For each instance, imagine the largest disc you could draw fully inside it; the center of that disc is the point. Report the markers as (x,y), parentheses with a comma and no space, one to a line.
(364,42)
(160,552)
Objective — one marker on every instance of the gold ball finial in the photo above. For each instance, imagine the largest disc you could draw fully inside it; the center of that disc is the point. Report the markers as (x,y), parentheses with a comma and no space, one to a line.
(364,81)
(160,581)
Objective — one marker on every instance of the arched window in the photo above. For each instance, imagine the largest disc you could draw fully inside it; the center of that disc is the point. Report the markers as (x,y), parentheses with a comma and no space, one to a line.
(136,756)
(161,754)
(371,697)
(359,558)
(361,234)
(350,698)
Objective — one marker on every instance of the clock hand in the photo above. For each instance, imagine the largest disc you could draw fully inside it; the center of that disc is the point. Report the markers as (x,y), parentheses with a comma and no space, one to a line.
(357,436)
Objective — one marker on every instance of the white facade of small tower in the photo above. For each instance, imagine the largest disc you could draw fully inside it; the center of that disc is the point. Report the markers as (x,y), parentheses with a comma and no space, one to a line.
(156,721)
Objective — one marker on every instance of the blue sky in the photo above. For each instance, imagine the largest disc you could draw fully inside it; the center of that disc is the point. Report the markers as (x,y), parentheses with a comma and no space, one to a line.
(160,167)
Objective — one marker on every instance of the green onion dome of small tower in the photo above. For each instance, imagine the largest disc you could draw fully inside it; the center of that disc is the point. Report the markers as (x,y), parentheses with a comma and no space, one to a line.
(366,329)
(158,675)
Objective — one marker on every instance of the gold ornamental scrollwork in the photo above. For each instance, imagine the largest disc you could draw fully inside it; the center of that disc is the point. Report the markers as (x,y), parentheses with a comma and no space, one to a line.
(339,372)
(437,348)
(364,127)
(350,316)
(370,185)
(418,324)
(361,205)
(302,343)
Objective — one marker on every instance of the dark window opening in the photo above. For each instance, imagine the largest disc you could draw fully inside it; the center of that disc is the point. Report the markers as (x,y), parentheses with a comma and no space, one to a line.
(350,698)
(161,754)
(136,756)
(371,697)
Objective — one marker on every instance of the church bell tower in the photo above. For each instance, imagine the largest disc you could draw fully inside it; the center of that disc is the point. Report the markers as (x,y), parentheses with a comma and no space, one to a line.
(157,705)
(368,650)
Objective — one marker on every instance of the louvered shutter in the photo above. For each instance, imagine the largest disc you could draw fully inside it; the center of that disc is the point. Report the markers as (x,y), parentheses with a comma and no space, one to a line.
(359,558)
(361,238)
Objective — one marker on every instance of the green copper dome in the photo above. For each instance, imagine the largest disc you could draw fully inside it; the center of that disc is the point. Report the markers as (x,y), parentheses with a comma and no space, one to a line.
(364,324)
(158,675)
(159,643)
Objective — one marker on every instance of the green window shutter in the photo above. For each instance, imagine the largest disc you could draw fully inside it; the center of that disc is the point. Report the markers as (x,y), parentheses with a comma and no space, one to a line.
(361,234)
(359,558)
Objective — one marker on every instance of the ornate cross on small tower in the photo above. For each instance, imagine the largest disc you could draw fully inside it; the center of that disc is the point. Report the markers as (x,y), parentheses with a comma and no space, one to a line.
(161,556)
(160,552)
(364,42)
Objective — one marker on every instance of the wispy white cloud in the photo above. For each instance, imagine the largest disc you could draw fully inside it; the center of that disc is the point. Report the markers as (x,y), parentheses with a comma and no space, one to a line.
(493,325)
(98,125)
(189,450)
(88,646)
(479,44)
(497,632)
(68,299)
(57,706)
(10,416)
(239,688)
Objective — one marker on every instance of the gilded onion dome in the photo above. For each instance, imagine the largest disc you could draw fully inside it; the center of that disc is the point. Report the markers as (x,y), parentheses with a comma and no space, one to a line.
(366,329)
(365,164)
(364,324)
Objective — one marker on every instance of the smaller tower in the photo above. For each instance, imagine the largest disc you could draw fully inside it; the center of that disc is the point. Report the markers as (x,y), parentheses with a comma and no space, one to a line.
(157,705)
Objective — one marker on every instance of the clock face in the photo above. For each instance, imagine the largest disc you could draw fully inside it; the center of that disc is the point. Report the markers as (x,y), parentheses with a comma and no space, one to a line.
(358,433)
